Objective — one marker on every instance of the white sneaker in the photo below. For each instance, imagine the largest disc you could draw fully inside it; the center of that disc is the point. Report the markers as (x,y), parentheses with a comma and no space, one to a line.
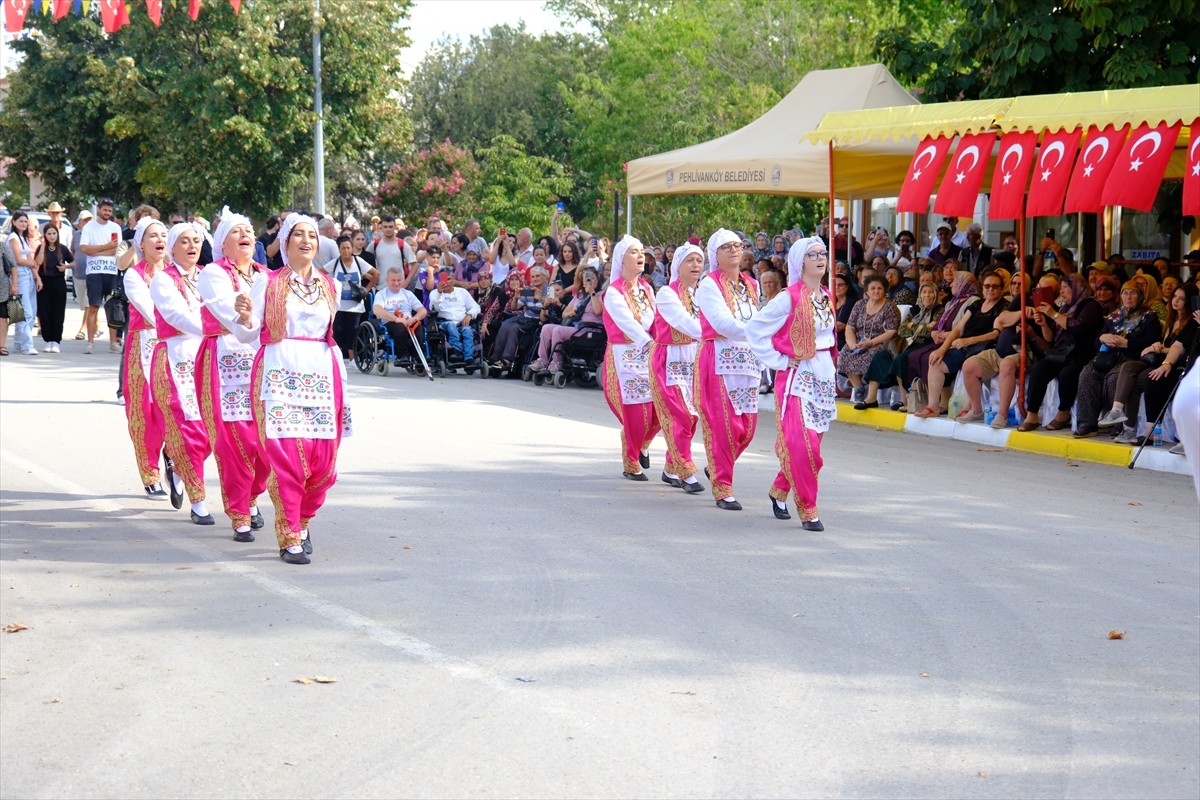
(1113,418)
(114,347)
(30,351)
(87,349)
(53,347)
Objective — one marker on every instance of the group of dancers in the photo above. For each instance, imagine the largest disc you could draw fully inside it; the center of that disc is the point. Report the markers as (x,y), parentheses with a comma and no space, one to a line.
(240,362)
(693,354)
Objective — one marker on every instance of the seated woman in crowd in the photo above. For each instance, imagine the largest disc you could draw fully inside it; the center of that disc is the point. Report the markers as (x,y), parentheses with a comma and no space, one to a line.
(1179,358)
(844,299)
(581,308)
(527,317)
(965,296)
(1005,361)
(491,299)
(873,323)
(972,334)
(898,291)
(1154,298)
(946,279)
(1126,382)
(886,368)
(1071,328)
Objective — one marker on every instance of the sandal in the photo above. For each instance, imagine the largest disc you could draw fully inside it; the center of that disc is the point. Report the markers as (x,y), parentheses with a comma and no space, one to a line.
(3,351)
(1057,424)
(926,412)
(1027,426)
(79,336)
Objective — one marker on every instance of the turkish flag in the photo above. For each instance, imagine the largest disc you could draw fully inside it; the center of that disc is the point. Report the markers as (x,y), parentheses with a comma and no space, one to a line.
(237,5)
(1092,169)
(61,9)
(154,11)
(111,12)
(1011,175)
(14,14)
(922,173)
(1050,174)
(194,9)
(959,191)
(1138,171)
(1191,176)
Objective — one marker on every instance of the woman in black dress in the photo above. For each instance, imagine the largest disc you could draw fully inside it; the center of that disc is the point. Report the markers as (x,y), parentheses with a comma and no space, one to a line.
(52,259)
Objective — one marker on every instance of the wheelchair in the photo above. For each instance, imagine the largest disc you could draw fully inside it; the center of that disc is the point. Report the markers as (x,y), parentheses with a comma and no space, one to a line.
(580,359)
(375,349)
(444,360)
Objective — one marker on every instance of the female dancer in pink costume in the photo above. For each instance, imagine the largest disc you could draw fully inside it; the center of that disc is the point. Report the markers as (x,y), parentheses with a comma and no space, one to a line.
(223,370)
(796,334)
(297,385)
(628,315)
(672,365)
(727,373)
(144,417)
(177,320)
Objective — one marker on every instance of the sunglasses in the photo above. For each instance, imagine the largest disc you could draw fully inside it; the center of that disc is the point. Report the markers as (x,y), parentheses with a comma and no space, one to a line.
(991,286)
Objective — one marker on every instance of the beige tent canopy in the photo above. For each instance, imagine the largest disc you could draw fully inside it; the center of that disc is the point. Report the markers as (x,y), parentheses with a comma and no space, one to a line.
(766,156)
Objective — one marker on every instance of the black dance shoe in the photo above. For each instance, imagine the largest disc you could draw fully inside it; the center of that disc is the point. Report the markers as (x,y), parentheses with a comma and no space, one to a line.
(207,519)
(863,405)
(669,481)
(306,543)
(729,505)
(294,558)
(243,536)
(695,487)
(813,525)
(780,513)
(169,472)
(644,460)
(635,476)
(154,491)
(257,523)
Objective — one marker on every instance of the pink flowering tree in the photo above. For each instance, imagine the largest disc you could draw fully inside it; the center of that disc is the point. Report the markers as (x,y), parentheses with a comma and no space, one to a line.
(442,180)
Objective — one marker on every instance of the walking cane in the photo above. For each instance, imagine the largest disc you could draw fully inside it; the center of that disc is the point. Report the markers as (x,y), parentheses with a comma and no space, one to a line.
(420,351)
(1187,359)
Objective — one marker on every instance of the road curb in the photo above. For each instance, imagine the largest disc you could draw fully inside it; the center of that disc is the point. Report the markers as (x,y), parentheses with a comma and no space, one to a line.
(1056,445)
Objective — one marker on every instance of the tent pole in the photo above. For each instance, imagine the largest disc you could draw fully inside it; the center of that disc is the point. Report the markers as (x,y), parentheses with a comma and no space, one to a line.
(1024,279)
(832,227)
(629,214)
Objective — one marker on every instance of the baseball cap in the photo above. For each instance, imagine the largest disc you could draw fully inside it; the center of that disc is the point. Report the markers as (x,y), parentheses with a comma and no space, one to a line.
(943,226)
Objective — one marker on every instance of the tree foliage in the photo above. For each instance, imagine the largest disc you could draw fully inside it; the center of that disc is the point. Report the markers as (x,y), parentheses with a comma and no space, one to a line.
(517,188)
(1003,48)
(440,180)
(197,114)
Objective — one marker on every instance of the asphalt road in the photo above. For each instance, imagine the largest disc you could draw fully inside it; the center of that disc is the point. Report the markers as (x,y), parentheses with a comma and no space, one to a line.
(505,616)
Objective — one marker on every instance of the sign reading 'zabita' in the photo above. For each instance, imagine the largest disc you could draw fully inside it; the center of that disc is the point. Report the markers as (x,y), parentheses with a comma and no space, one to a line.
(723,176)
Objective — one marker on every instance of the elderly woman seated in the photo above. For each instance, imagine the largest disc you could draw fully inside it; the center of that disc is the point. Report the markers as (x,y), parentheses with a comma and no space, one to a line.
(972,334)
(873,323)
(526,307)
(898,291)
(583,308)
(887,369)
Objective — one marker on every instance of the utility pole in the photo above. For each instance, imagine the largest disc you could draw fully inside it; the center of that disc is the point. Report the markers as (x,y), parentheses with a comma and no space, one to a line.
(318,107)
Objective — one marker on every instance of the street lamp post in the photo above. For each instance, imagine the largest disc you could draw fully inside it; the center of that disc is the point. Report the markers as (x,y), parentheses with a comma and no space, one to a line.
(318,107)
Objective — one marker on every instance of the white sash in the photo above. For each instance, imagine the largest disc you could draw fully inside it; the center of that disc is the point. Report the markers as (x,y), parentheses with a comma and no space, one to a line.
(632,364)
(181,362)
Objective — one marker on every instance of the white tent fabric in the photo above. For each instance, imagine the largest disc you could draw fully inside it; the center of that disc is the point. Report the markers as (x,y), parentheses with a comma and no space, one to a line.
(768,157)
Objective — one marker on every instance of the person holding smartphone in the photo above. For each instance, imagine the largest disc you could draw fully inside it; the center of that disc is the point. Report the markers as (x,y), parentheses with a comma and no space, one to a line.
(98,241)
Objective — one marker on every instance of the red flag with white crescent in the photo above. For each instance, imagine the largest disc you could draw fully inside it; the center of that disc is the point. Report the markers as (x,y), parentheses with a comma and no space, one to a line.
(1092,169)
(14,14)
(922,174)
(237,5)
(61,9)
(1191,177)
(1011,175)
(194,9)
(1050,174)
(111,12)
(154,11)
(957,195)
(1138,172)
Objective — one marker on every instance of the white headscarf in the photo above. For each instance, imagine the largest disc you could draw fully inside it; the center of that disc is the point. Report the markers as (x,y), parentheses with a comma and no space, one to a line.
(285,231)
(229,221)
(722,236)
(143,225)
(618,254)
(796,257)
(178,230)
(682,252)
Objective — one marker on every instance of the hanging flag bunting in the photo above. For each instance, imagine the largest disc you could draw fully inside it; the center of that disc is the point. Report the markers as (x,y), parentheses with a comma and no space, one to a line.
(1191,175)
(1050,174)
(14,14)
(111,12)
(87,7)
(922,174)
(61,9)
(1092,169)
(154,11)
(1138,171)
(77,7)
(194,9)
(1011,175)
(237,5)
(959,191)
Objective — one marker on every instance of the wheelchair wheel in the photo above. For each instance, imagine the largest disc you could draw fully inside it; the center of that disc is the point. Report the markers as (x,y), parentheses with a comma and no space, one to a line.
(483,368)
(384,366)
(441,369)
(527,374)
(560,380)
(366,347)
(539,378)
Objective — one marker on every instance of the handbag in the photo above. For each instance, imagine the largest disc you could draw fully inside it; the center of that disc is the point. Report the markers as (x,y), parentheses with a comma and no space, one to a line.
(918,396)
(1154,360)
(1059,355)
(16,311)
(116,309)
(1105,360)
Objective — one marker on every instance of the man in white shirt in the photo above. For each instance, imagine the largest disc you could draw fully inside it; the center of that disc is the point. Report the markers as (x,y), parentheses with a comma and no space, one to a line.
(98,241)
(455,308)
(65,232)
(525,247)
(400,310)
(391,251)
(327,247)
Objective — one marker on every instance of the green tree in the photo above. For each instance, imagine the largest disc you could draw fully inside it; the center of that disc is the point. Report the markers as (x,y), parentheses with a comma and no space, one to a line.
(516,188)
(197,114)
(1005,48)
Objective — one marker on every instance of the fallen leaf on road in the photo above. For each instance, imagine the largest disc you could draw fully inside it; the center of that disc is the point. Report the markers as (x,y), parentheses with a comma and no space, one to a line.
(304,681)
(989,449)
(16,627)
(983,773)
(924,674)
(1134,503)
(527,680)
(1072,464)
(1115,634)
(324,679)
(687,693)
(56,700)
(408,547)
